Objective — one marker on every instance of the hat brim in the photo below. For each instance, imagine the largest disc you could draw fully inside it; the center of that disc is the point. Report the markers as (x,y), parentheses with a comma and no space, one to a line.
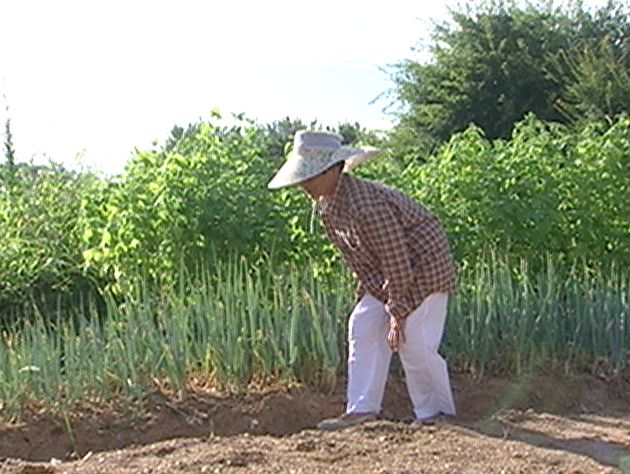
(290,174)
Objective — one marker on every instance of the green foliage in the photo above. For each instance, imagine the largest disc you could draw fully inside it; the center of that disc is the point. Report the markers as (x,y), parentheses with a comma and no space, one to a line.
(41,248)
(494,61)
(229,326)
(7,169)
(595,185)
(547,190)
(204,197)
(598,84)
(171,204)
(9,151)
(236,324)
(205,192)
(512,319)
(179,303)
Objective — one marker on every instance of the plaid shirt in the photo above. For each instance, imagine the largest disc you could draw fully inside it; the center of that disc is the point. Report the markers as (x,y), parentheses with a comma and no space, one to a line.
(394,246)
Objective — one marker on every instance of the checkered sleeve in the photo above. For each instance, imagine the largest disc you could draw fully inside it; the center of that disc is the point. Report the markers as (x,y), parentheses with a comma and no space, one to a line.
(383,234)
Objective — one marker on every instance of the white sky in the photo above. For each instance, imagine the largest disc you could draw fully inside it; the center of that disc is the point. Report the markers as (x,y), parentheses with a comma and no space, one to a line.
(98,78)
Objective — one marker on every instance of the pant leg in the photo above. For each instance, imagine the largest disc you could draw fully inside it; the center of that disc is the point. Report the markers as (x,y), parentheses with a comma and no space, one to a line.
(426,371)
(369,356)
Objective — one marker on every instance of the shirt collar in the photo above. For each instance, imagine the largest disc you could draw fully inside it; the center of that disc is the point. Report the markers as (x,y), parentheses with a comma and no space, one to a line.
(326,203)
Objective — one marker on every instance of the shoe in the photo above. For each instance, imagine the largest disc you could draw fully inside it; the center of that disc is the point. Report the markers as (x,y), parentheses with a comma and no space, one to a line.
(429,421)
(344,421)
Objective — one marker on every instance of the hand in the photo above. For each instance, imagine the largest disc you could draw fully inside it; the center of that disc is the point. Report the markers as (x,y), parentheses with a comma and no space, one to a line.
(396,335)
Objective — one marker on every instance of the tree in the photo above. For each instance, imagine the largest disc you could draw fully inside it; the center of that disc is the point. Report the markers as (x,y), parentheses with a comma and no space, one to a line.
(599,87)
(490,66)
(9,151)
(354,134)
(596,73)
(7,170)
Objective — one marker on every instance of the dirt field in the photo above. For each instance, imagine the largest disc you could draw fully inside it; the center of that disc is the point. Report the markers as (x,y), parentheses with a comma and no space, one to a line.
(538,424)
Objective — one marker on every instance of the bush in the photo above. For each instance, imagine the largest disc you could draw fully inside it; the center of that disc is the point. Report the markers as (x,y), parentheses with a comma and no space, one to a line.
(203,197)
(547,190)
(41,246)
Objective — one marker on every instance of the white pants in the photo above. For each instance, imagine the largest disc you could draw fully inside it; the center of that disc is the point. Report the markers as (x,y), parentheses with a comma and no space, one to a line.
(425,370)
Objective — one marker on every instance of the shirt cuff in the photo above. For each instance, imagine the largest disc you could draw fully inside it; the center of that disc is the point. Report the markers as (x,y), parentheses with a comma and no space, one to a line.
(398,310)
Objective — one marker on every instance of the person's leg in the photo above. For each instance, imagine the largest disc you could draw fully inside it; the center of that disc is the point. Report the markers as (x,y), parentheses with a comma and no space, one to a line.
(369,356)
(426,372)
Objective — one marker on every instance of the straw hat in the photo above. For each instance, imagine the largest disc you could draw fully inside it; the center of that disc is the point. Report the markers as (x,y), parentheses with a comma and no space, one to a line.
(315,152)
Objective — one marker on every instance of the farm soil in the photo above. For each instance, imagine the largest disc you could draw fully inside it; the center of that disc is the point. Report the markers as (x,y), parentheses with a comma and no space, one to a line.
(536,423)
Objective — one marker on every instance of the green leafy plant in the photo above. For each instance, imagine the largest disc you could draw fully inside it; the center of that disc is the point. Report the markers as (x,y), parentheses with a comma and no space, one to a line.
(547,190)
(41,245)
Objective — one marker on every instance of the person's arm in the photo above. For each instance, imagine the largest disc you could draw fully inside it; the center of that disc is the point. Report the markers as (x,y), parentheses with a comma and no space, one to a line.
(381,231)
